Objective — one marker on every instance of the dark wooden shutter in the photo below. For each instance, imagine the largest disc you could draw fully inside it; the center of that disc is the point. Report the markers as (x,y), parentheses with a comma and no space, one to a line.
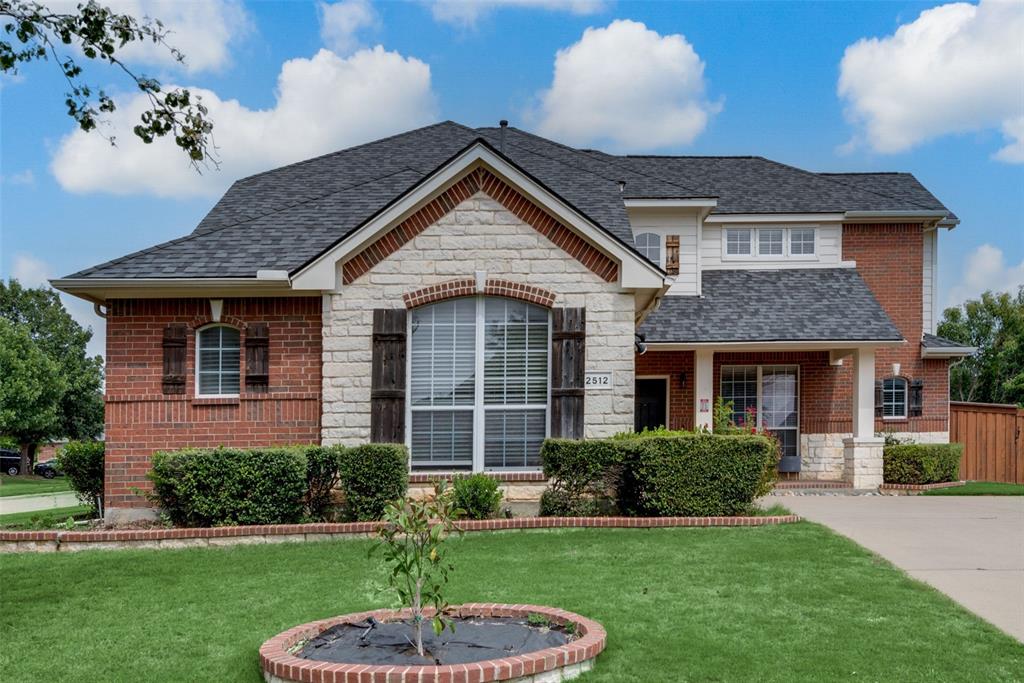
(916,398)
(672,254)
(257,357)
(175,337)
(387,384)
(878,398)
(568,355)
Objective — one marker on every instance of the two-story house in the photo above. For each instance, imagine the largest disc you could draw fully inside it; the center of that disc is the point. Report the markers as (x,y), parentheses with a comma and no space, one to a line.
(469,292)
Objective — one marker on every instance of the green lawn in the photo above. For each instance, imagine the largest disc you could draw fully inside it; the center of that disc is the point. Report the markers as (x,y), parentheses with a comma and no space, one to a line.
(42,519)
(979,488)
(23,485)
(784,603)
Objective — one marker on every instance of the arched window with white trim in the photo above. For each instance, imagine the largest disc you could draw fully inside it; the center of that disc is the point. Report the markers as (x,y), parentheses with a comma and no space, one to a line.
(218,361)
(479,384)
(649,245)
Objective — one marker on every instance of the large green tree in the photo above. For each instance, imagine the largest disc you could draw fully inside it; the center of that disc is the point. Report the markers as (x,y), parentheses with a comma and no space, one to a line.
(31,387)
(994,323)
(34,32)
(39,314)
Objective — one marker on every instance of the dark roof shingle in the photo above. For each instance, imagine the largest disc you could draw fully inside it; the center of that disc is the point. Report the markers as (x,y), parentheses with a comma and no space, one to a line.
(806,304)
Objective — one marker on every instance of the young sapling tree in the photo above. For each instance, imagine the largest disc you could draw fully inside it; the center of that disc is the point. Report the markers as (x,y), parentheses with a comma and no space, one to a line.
(412,542)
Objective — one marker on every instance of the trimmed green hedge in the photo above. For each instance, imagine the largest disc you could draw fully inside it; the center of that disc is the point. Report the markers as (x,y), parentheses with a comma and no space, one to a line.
(322,477)
(922,463)
(371,476)
(82,463)
(685,474)
(476,495)
(228,486)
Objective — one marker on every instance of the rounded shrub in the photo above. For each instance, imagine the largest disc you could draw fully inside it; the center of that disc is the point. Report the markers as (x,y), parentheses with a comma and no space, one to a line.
(82,464)
(921,463)
(227,486)
(477,495)
(371,476)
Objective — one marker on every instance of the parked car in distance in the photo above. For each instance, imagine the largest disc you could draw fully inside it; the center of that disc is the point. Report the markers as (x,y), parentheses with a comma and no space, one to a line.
(10,461)
(48,469)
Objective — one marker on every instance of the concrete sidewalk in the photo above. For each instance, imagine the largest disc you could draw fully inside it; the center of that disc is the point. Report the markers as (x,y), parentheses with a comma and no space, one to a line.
(971,547)
(42,501)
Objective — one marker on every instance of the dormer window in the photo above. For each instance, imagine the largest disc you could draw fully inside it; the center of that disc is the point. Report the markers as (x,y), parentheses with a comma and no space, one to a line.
(649,245)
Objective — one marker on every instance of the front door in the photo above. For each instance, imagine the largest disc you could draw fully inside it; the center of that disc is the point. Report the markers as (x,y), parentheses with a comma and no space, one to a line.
(651,404)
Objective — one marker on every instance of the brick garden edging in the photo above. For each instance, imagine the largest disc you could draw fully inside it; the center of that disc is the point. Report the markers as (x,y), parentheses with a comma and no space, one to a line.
(54,540)
(911,489)
(563,662)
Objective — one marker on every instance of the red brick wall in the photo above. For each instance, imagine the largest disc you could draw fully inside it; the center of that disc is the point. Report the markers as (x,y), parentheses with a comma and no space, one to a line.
(890,259)
(680,393)
(141,420)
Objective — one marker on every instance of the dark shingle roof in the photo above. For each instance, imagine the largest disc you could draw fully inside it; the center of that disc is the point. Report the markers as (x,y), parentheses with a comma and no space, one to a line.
(812,304)
(934,341)
(284,218)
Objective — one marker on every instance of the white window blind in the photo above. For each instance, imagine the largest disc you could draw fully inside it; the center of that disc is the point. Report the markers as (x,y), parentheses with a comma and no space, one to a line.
(769,242)
(218,361)
(894,397)
(737,242)
(649,244)
(801,241)
(478,384)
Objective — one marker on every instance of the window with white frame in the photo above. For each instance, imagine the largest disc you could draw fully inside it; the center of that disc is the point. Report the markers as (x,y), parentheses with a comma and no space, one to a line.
(770,395)
(894,398)
(218,361)
(737,242)
(769,242)
(801,241)
(649,245)
(478,384)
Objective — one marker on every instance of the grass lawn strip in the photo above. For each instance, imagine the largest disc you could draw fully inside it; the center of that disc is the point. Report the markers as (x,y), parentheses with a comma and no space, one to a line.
(23,520)
(782,603)
(979,488)
(26,485)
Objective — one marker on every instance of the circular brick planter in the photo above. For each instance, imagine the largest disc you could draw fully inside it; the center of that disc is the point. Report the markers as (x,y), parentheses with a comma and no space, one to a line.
(556,663)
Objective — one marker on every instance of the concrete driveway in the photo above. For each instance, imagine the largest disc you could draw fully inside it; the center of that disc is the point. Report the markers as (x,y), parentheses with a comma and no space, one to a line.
(42,501)
(971,547)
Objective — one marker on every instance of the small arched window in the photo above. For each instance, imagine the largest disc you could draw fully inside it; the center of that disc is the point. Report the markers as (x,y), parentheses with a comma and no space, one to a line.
(649,245)
(218,361)
(894,398)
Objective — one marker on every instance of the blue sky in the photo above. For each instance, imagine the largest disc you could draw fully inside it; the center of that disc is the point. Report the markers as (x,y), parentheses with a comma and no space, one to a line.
(939,94)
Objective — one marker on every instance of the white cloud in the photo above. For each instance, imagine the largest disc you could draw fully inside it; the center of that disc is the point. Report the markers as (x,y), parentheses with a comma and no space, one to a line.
(33,272)
(203,31)
(985,268)
(627,87)
(26,177)
(323,104)
(467,12)
(957,68)
(341,21)
(1013,153)
(30,271)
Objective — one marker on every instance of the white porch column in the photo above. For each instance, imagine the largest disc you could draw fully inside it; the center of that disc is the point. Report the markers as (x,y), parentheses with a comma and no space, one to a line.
(703,382)
(863,451)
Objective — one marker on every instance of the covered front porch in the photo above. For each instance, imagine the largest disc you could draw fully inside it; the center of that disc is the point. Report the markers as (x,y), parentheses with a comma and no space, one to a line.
(818,401)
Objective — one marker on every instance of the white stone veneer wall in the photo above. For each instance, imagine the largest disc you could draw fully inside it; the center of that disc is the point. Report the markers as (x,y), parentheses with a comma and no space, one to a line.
(479,235)
(822,455)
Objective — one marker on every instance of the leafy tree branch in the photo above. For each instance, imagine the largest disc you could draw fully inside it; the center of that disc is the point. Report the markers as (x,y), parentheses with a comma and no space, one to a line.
(32,32)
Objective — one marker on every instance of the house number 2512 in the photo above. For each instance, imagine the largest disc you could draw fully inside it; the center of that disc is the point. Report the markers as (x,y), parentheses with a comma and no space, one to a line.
(598,380)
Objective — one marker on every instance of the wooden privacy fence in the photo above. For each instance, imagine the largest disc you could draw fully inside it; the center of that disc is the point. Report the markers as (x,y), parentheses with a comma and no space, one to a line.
(993,439)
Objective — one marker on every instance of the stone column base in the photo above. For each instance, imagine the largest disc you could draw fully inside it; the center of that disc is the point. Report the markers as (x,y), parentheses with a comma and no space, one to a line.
(862,462)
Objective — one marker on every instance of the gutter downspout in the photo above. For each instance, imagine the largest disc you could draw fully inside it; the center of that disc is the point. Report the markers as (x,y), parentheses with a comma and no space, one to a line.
(98,310)
(654,303)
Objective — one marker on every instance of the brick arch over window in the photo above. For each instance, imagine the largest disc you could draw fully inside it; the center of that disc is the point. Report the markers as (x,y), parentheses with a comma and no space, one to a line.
(466,286)
(204,320)
(481,180)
